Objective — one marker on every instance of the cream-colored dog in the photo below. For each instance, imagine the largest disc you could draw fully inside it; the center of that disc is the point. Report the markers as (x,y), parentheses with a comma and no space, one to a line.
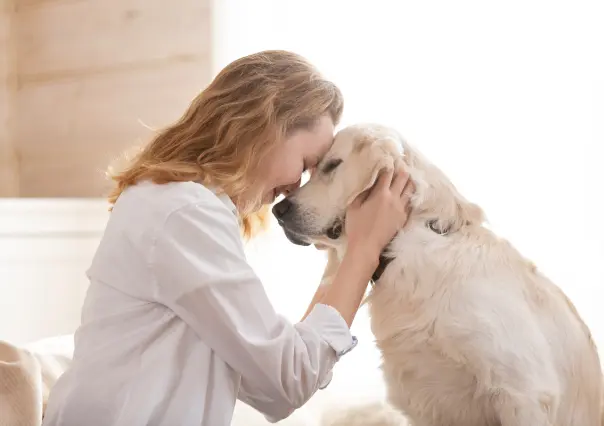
(470,332)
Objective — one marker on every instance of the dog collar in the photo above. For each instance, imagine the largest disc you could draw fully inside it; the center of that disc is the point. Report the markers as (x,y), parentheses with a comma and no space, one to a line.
(383,263)
(385,260)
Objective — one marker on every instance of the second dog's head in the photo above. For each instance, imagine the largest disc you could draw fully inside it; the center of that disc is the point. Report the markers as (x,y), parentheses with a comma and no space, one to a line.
(316,213)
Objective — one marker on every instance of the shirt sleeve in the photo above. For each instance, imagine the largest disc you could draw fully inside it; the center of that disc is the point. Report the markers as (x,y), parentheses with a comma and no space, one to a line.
(203,276)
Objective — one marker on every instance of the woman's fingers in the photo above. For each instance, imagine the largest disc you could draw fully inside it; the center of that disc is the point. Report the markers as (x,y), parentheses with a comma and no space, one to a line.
(381,183)
(384,179)
(360,199)
(408,190)
(399,182)
(407,194)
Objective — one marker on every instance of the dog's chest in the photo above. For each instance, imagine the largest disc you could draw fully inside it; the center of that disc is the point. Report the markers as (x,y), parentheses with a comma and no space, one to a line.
(403,314)
(427,386)
(404,307)
(405,301)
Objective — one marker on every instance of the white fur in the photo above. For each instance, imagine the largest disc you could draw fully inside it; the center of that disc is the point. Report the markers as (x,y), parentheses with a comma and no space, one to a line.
(471,333)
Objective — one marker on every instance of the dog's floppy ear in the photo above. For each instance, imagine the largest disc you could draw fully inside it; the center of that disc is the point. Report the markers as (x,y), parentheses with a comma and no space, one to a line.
(366,182)
(470,213)
(450,211)
(466,214)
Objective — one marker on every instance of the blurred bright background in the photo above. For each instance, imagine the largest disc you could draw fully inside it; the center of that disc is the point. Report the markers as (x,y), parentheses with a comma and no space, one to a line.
(506,97)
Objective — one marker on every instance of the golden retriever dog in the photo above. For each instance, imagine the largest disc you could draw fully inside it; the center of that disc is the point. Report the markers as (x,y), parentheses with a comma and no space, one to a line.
(471,333)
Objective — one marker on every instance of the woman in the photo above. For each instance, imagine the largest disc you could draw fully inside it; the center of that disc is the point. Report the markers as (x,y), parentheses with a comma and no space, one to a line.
(176,326)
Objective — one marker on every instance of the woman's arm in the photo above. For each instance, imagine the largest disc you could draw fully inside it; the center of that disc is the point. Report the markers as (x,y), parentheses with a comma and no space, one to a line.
(343,284)
(348,287)
(333,263)
(202,275)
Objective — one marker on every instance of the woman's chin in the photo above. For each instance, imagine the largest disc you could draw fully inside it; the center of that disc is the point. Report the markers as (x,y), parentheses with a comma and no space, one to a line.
(269,197)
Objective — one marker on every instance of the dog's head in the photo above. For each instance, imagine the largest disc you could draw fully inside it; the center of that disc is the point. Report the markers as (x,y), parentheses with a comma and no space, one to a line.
(315,213)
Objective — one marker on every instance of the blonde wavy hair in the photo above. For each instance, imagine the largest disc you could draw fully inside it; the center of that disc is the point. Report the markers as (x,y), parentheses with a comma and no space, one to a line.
(250,107)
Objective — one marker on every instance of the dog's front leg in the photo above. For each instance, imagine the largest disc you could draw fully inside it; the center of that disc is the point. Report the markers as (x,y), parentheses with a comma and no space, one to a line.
(333,263)
(520,410)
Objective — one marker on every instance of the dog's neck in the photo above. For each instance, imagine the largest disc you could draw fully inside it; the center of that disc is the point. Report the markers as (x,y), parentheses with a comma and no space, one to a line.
(385,258)
(383,263)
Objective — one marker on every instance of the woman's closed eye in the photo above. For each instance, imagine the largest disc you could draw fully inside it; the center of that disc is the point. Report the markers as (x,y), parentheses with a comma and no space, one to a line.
(331,165)
(309,167)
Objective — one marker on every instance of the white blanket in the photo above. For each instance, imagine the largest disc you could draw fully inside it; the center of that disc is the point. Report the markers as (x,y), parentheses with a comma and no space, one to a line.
(26,376)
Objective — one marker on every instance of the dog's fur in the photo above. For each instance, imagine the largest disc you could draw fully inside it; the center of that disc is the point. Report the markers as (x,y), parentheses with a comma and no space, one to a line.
(471,333)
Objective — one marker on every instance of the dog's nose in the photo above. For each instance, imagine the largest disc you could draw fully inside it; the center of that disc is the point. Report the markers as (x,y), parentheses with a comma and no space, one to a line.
(281,209)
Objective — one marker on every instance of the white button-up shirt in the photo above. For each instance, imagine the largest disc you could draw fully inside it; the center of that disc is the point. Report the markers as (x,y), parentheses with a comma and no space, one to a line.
(176,326)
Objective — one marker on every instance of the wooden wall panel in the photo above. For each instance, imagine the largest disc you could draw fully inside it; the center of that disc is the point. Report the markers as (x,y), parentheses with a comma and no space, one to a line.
(74,127)
(22,4)
(9,185)
(91,36)
(89,73)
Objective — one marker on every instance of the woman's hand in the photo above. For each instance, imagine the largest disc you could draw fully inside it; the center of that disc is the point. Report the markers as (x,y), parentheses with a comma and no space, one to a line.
(376,215)
(372,221)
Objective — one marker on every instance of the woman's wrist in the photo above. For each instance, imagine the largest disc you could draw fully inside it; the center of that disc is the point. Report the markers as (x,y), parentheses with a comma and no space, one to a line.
(348,287)
(317,298)
(346,290)
(363,253)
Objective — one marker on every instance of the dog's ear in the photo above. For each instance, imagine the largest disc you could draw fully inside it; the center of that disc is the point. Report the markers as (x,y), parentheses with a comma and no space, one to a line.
(467,214)
(452,215)
(472,213)
(368,181)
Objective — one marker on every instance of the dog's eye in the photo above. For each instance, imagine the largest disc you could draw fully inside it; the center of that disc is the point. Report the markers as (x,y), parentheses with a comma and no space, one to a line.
(436,227)
(331,165)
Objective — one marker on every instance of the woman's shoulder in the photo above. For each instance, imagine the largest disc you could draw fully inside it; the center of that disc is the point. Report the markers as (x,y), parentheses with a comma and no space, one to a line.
(163,200)
(148,214)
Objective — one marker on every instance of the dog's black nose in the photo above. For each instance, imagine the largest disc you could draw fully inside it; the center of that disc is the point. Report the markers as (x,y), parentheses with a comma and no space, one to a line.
(281,209)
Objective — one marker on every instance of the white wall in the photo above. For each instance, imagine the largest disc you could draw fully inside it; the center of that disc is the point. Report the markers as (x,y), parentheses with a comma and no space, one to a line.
(45,247)
(505,97)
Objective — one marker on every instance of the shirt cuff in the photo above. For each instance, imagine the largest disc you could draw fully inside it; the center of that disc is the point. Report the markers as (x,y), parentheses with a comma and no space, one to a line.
(326,380)
(332,328)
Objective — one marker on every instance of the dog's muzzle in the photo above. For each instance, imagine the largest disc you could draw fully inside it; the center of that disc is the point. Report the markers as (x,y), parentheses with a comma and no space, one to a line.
(295,238)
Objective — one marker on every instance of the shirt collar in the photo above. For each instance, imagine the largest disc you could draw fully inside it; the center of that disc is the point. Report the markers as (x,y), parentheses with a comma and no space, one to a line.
(226,200)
